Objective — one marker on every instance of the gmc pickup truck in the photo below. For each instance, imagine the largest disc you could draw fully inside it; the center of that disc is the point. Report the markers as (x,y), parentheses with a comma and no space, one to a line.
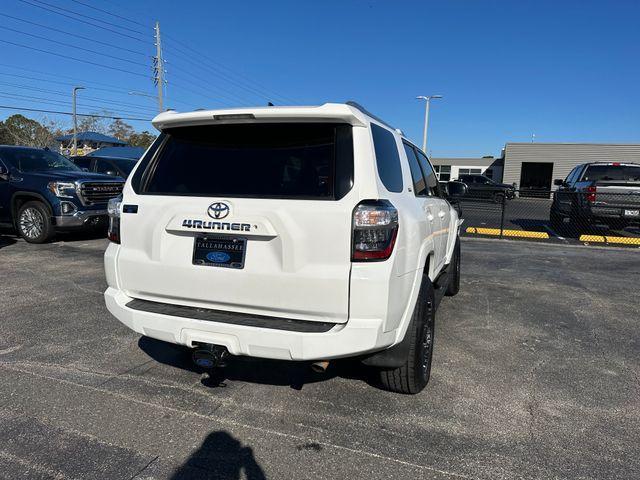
(42,192)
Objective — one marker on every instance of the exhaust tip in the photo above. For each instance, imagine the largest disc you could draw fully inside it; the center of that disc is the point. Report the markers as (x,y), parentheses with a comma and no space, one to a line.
(320,367)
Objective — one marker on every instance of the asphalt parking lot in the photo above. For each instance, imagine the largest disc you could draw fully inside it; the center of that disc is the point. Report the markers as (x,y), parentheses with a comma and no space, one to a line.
(536,375)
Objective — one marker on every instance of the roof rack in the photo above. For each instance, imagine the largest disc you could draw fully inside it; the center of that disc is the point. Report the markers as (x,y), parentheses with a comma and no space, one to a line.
(353,104)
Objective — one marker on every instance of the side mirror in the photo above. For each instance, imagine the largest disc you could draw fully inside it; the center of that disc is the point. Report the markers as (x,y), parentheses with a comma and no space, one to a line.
(558,182)
(85,169)
(456,189)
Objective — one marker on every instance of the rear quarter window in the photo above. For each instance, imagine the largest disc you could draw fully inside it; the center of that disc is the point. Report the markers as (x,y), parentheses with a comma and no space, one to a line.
(387,158)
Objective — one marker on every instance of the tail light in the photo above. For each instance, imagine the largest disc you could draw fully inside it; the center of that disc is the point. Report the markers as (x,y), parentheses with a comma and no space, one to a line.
(375,228)
(591,194)
(113,209)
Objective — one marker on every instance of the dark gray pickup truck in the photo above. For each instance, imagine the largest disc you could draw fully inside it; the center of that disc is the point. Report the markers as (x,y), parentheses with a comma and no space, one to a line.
(598,193)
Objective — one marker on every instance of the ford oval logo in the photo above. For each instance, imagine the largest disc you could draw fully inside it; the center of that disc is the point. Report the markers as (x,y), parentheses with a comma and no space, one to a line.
(218,257)
(218,210)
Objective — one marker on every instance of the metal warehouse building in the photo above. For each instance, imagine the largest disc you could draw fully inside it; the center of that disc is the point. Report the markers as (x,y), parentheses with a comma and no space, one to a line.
(534,166)
(451,168)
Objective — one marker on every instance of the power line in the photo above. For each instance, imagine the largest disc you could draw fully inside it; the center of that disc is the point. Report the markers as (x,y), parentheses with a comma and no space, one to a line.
(64,32)
(86,22)
(189,89)
(33,99)
(90,84)
(89,17)
(204,93)
(57,75)
(229,95)
(224,76)
(88,97)
(110,13)
(72,46)
(73,58)
(24,109)
(241,80)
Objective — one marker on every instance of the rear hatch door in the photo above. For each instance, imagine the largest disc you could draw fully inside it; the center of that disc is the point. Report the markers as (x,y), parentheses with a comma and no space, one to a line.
(248,217)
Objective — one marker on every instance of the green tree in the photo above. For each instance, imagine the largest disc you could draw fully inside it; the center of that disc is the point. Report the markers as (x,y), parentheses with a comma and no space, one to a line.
(121,130)
(143,139)
(20,130)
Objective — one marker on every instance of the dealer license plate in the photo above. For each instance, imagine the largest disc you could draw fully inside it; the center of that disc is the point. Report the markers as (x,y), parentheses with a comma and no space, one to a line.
(219,251)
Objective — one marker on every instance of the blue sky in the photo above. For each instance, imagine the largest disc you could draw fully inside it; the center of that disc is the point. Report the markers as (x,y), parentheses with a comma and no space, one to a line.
(566,71)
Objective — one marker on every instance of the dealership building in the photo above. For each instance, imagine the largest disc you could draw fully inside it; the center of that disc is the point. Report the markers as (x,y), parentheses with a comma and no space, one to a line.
(536,165)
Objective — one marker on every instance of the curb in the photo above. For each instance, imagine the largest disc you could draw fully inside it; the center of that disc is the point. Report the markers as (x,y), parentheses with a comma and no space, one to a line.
(507,233)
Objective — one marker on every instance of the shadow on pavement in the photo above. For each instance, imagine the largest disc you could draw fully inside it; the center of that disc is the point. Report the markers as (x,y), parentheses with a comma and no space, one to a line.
(82,235)
(254,370)
(220,456)
(5,241)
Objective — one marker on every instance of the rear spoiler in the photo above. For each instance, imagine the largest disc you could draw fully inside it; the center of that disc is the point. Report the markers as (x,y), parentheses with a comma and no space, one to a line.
(329,112)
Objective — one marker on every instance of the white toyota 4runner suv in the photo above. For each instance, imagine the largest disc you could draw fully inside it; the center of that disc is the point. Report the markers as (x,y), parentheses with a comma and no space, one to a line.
(293,233)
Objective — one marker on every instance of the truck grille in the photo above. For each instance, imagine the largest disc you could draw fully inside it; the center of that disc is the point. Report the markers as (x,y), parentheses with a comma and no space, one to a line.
(95,193)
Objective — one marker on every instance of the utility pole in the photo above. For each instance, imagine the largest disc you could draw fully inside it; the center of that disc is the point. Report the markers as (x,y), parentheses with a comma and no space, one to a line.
(75,120)
(158,67)
(426,118)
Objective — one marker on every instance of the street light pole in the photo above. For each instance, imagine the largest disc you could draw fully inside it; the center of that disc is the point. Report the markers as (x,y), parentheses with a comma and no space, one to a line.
(426,118)
(75,120)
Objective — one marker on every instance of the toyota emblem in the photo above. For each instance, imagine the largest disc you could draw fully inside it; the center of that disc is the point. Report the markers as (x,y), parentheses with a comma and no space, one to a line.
(218,210)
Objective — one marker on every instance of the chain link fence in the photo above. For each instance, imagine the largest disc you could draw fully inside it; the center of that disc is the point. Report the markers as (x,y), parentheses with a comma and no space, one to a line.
(557,216)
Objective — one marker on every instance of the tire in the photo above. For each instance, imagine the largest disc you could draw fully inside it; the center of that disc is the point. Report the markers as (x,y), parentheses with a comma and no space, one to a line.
(414,375)
(454,280)
(34,222)
(556,221)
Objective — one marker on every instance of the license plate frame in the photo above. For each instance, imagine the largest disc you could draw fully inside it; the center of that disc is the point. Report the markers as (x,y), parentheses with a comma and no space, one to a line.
(633,213)
(219,251)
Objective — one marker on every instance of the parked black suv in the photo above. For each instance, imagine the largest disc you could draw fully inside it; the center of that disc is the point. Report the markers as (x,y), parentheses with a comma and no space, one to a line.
(115,167)
(598,193)
(481,186)
(41,192)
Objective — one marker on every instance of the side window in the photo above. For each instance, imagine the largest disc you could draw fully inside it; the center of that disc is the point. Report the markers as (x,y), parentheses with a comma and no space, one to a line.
(83,162)
(575,176)
(387,158)
(419,185)
(103,166)
(430,176)
(571,175)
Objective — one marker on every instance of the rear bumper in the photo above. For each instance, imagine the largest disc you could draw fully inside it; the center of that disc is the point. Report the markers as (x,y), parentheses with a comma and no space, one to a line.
(81,219)
(357,336)
(612,213)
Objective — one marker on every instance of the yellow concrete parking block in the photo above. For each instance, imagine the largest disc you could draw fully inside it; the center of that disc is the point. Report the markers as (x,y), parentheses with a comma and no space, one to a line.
(610,239)
(592,238)
(624,240)
(507,233)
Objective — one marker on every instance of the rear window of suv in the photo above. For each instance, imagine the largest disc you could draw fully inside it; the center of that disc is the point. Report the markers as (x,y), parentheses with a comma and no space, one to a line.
(268,160)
